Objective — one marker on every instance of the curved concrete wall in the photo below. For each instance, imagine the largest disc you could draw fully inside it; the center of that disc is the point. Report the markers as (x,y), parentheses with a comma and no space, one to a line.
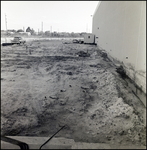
(121,30)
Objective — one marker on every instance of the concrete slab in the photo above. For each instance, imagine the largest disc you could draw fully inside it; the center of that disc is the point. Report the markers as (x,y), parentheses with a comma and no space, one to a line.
(81,145)
(36,142)
(62,143)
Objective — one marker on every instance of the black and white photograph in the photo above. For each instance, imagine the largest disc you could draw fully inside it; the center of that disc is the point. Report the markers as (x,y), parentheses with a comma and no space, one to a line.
(73,75)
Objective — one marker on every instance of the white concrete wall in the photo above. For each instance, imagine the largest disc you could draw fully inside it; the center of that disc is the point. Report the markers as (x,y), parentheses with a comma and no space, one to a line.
(121,30)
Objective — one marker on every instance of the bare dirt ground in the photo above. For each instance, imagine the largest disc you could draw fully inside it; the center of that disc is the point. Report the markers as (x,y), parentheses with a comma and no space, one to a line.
(50,84)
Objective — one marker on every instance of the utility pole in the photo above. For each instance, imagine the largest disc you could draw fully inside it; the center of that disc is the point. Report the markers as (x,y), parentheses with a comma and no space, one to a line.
(6,22)
(51,30)
(42,26)
(6,27)
(91,22)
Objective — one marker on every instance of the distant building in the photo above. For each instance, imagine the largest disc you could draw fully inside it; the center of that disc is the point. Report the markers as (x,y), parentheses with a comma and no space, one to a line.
(89,38)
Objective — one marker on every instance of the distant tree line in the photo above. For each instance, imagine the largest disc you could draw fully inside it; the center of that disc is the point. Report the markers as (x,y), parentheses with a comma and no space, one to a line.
(31,31)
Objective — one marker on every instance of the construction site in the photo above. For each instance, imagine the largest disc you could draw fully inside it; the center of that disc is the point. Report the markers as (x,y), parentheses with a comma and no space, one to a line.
(51,84)
(84,92)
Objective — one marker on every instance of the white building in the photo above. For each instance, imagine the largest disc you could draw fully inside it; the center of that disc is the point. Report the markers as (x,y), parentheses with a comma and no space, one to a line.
(120,29)
(89,38)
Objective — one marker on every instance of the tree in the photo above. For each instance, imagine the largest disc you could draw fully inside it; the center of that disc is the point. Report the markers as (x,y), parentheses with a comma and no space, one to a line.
(47,33)
(28,29)
(32,31)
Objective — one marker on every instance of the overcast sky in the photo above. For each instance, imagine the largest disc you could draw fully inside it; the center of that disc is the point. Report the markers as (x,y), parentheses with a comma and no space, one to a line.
(60,16)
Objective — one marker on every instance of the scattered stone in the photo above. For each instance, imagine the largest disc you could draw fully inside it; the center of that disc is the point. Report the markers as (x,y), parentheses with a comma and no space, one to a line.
(129,131)
(24,109)
(63,90)
(92,116)
(69,73)
(93,65)
(108,138)
(43,105)
(53,97)
(121,71)
(70,86)
(83,54)
(13,70)
(121,132)
(104,55)
(62,102)
(94,87)
(85,88)
(73,108)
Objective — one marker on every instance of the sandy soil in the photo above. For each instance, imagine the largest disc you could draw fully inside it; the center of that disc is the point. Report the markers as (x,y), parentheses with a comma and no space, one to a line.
(49,85)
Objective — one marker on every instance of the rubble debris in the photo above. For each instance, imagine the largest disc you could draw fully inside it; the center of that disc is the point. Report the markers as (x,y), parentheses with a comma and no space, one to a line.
(94,87)
(93,65)
(89,98)
(53,97)
(63,90)
(69,73)
(62,101)
(85,88)
(121,71)
(104,55)
(83,54)
(121,132)
(92,116)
